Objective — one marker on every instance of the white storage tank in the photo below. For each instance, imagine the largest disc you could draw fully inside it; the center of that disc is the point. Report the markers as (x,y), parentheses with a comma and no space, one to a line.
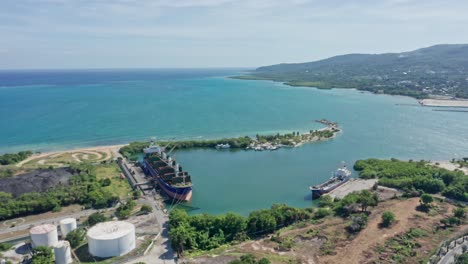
(110,239)
(44,235)
(62,252)
(67,225)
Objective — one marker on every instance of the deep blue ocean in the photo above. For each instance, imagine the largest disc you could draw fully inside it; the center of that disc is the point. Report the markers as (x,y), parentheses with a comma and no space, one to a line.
(52,110)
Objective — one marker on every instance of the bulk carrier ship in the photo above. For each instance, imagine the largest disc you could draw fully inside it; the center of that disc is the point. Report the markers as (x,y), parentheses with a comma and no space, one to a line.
(340,176)
(167,173)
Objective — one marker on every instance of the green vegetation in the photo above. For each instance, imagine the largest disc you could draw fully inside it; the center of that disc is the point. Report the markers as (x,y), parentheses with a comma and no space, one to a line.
(357,223)
(205,232)
(125,209)
(76,237)
(134,149)
(403,246)
(325,201)
(250,259)
(415,176)
(354,201)
(462,259)
(9,158)
(83,188)
(109,177)
(9,170)
(321,213)
(426,200)
(433,70)
(457,218)
(146,209)
(5,246)
(42,255)
(459,212)
(136,194)
(463,162)
(388,218)
(95,218)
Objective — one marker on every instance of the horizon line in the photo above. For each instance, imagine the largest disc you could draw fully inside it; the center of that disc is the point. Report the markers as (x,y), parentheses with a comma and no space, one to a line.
(124,68)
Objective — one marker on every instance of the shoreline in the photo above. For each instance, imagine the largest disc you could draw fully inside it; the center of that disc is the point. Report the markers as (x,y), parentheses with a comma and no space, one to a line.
(309,84)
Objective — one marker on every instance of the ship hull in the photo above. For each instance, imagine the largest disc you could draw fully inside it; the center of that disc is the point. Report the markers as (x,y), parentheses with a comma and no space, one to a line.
(177,193)
(317,192)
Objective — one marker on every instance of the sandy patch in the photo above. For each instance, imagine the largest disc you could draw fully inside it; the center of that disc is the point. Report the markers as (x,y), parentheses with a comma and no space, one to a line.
(443,102)
(449,166)
(108,151)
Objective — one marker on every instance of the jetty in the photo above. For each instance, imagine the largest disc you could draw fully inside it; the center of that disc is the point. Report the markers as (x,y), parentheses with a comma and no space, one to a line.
(294,139)
(353,185)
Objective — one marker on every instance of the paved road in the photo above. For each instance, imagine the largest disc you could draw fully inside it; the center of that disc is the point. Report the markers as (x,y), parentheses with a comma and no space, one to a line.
(54,221)
(449,258)
(162,251)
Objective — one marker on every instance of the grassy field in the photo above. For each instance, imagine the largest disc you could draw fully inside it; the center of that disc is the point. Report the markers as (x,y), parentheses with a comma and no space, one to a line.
(118,185)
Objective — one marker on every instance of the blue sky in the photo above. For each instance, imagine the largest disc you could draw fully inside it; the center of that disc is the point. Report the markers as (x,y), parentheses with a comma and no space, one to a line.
(217,33)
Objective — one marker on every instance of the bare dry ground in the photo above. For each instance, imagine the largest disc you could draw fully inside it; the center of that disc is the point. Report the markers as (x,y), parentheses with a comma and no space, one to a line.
(35,181)
(329,242)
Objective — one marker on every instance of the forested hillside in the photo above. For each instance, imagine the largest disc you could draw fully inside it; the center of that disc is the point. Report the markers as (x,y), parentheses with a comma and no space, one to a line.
(440,69)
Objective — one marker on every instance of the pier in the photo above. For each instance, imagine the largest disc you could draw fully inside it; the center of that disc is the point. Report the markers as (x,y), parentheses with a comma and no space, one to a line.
(353,185)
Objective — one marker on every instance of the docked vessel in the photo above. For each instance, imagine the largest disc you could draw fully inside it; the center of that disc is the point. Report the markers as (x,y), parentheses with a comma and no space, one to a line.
(339,177)
(169,175)
(223,146)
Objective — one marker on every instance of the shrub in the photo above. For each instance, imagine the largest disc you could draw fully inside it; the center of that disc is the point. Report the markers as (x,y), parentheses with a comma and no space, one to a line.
(250,259)
(358,222)
(5,246)
(146,209)
(459,213)
(321,213)
(42,255)
(388,218)
(325,201)
(426,199)
(76,237)
(96,218)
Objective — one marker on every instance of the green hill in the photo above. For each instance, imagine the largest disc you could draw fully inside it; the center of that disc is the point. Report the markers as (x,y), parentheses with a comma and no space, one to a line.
(440,70)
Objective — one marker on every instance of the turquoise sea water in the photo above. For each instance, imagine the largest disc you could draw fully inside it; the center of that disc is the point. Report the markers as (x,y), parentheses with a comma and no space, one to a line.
(59,110)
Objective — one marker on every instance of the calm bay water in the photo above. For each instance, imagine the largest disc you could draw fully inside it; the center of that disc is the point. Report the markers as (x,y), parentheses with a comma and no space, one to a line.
(50,110)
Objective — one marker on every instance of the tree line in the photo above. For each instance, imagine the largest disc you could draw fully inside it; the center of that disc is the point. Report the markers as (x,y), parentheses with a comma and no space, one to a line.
(12,158)
(415,176)
(205,232)
(133,149)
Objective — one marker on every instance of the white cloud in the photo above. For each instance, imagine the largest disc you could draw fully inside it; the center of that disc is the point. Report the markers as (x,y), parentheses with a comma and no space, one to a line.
(248,32)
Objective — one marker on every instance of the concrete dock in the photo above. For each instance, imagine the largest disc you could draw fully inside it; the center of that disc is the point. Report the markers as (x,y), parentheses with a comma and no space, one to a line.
(353,185)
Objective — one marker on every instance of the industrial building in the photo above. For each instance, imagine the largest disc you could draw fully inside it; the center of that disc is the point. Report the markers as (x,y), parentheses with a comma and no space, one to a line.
(62,252)
(67,225)
(44,235)
(110,239)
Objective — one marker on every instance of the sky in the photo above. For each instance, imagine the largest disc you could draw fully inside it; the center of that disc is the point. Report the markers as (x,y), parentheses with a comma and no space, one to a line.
(43,34)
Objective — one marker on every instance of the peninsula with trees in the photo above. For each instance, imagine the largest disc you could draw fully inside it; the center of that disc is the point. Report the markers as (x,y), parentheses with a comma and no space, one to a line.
(434,71)
(257,143)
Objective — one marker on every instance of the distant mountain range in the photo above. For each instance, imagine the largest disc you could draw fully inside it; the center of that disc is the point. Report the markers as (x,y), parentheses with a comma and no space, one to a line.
(436,70)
